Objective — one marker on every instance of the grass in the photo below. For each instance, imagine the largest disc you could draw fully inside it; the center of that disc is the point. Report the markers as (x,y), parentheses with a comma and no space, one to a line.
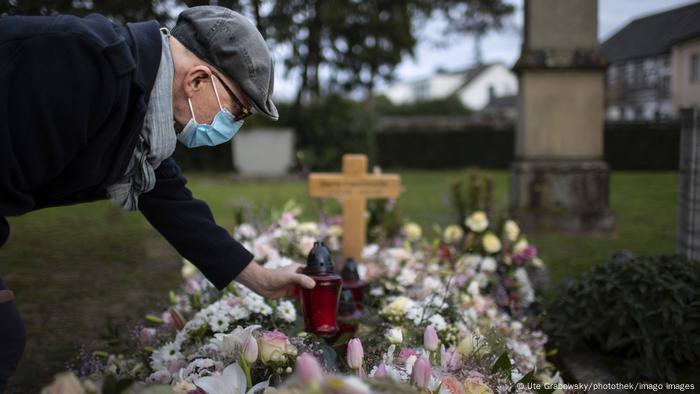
(74,269)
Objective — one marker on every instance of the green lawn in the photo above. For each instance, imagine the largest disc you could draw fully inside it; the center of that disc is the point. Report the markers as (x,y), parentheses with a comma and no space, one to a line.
(75,269)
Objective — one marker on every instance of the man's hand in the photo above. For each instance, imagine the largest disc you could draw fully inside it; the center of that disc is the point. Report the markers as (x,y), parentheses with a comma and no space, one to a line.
(274,283)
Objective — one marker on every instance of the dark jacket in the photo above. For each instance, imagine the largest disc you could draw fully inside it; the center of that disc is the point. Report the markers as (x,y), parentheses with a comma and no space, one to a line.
(73,97)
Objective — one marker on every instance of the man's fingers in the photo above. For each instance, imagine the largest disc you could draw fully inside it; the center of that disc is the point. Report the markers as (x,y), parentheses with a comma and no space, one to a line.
(6,296)
(304,281)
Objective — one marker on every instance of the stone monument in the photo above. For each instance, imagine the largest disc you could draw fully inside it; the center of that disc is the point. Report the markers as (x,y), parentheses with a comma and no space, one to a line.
(559,181)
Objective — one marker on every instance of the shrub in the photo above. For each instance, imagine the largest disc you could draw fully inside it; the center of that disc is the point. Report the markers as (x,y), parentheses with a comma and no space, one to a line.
(644,310)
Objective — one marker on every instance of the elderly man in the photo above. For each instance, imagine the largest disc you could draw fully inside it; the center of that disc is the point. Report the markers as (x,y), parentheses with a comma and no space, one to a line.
(93,110)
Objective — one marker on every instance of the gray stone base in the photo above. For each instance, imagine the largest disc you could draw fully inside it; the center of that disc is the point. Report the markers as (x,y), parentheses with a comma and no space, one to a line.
(561,195)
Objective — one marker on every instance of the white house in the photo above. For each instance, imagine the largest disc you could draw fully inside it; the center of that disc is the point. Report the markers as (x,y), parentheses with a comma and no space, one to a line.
(475,87)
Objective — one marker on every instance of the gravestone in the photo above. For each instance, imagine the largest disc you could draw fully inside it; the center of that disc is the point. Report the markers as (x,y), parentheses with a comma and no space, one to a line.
(263,152)
(688,242)
(559,181)
(353,187)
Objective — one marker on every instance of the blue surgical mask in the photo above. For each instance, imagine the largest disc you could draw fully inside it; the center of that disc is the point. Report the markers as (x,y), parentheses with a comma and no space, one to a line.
(222,128)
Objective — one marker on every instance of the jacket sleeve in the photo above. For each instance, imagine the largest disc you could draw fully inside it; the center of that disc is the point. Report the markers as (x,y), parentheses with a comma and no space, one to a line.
(189,226)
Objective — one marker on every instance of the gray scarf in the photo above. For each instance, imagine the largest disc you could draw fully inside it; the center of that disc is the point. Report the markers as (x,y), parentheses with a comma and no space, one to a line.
(156,141)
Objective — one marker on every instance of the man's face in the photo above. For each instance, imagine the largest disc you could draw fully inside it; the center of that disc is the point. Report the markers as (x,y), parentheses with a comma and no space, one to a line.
(202,85)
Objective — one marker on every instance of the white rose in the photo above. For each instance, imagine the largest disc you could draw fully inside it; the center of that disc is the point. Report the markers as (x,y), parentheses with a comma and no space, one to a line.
(477,221)
(394,335)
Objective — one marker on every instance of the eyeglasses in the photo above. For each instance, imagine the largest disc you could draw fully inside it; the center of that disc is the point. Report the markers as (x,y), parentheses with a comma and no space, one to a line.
(240,111)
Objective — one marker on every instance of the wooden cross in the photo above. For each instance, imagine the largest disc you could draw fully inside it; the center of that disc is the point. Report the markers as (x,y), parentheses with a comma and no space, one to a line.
(353,187)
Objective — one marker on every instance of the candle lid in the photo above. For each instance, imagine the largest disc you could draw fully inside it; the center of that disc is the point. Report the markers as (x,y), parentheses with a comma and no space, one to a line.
(349,271)
(319,260)
(347,302)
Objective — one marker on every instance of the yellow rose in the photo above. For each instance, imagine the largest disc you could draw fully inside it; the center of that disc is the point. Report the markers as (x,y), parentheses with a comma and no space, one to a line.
(396,307)
(476,386)
(511,230)
(477,221)
(413,231)
(491,243)
(336,230)
(466,346)
(520,246)
(452,233)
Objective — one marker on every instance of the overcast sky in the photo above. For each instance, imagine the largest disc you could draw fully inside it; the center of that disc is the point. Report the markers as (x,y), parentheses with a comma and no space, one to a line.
(502,46)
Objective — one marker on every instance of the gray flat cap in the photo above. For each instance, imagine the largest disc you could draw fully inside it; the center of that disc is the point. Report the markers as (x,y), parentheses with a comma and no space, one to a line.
(228,41)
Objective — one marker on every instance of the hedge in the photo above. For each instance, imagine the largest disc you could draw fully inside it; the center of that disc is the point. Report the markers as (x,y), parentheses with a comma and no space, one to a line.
(627,146)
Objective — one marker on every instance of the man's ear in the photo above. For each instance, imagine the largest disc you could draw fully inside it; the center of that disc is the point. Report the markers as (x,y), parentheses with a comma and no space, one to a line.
(195,78)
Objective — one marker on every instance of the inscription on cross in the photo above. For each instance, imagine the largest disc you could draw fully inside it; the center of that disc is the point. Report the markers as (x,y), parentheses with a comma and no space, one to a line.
(353,187)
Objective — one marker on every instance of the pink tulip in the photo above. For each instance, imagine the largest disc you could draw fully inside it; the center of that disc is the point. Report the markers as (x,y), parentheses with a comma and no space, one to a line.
(308,370)
(381,372)
(430,339)
(355,353)
(250,350)
(421,373)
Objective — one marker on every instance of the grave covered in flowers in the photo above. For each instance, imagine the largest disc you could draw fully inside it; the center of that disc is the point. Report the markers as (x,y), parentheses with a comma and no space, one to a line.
(443,314)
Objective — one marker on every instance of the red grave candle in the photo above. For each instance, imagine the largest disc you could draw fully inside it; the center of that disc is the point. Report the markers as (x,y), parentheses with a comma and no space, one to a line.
(348,314)
(352,281)
(320,304)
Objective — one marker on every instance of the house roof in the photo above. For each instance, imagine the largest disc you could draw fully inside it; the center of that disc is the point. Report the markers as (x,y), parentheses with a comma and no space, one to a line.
(654,34)
(470,74)
(500,103)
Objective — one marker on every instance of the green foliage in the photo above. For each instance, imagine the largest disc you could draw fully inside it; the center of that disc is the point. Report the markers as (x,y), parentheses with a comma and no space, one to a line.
(450,105)
(473,193)
(331,127)
(643,310)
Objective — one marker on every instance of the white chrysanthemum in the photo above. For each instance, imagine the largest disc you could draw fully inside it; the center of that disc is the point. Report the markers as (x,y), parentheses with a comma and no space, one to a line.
(477,222)
(407,277)
(438,321)
(286,311)
(278,263)
(433,284)
(164,355)
(488,264)
(219,322)
(369,251)
(256,304)
(527,293)
(245,231)
(473,288)
(239,312)
(415,313)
